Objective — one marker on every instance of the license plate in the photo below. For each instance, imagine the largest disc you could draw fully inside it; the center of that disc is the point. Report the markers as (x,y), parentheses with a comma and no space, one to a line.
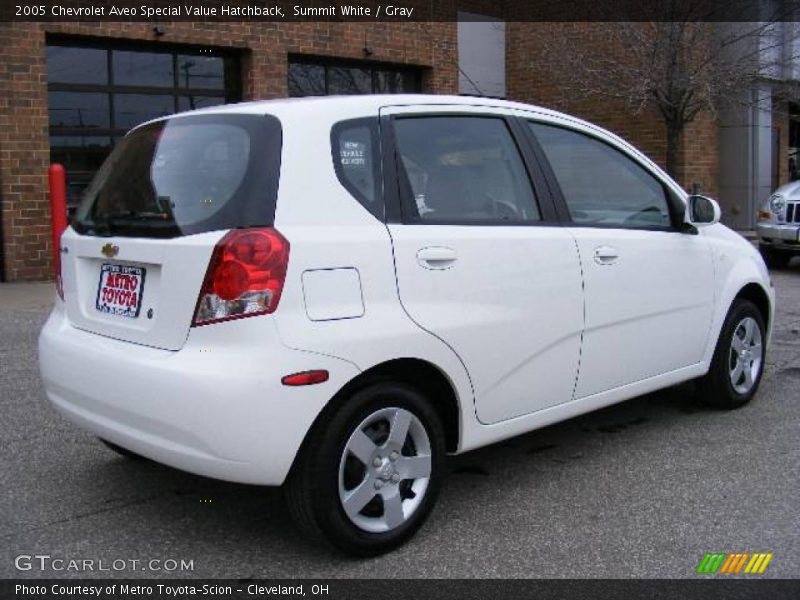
(120,290)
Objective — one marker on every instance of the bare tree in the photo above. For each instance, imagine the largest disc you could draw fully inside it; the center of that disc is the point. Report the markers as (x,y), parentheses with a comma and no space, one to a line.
(681,65)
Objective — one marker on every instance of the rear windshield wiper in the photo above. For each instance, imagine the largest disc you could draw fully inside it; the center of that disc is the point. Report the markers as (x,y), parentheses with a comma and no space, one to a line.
(133,215)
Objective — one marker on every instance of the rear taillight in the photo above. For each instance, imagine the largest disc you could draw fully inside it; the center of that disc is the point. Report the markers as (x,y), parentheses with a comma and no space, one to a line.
(245,276)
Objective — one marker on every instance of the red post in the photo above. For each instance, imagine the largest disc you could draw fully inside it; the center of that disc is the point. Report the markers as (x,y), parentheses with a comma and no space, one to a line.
(58,217)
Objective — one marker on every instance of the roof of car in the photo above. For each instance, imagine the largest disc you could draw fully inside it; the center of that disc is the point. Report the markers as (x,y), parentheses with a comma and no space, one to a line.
(370,103)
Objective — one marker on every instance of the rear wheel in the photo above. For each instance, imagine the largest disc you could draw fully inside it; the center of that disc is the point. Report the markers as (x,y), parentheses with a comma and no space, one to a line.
(370,471)
(774,259)
(738,361)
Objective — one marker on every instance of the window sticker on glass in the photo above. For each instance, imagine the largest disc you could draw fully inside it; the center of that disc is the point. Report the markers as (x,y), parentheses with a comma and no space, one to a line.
(353,154)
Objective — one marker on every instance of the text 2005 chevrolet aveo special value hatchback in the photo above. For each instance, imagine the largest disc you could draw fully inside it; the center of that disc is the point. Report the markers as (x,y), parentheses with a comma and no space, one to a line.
(333,294)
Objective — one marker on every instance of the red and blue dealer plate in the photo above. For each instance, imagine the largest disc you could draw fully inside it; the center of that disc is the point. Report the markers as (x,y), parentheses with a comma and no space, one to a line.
(120,290)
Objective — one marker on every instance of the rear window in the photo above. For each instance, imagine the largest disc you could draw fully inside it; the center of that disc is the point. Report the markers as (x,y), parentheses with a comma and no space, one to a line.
(186,175)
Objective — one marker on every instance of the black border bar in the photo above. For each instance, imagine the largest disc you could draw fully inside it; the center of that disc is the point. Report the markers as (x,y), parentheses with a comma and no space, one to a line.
(161,11)
(387,589)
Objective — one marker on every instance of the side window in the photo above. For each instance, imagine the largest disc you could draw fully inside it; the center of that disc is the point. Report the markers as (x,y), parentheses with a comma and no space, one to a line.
(354,145)
(600,184)
(462,170)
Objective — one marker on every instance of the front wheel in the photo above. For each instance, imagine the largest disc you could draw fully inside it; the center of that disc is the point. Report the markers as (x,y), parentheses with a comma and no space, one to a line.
(369,474)
(738,361)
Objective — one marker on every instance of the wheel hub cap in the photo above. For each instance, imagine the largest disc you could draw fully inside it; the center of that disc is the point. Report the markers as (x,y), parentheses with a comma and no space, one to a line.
(384,470)
(746,355)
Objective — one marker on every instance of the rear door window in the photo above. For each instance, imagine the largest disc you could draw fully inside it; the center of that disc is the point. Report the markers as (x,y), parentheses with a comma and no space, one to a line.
(463,170)
(186,175)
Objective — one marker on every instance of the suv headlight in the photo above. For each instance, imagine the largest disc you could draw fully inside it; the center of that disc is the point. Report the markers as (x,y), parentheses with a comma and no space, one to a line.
(776,205)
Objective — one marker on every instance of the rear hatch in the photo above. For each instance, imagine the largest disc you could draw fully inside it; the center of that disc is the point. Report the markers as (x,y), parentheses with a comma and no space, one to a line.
(142,238)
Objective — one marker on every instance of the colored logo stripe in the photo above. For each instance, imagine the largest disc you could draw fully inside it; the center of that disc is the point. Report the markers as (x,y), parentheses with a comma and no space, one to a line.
(734,563)
(721,562)
(711,562)
(758,564)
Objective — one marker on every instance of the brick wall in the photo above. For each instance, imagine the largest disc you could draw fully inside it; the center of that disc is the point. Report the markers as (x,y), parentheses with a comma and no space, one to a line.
(780,121)
(24,147)
(536,74)
(698,159)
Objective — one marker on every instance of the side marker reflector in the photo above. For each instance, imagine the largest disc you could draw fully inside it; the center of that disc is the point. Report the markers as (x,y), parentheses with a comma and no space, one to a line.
(305,378)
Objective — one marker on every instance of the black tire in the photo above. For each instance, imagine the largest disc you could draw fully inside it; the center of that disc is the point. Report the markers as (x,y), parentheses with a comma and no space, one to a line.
(123,451)
(715,389)
(774,259)
(313,487)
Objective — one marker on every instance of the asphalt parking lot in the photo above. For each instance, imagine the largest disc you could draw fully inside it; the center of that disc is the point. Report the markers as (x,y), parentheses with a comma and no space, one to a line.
(642,489)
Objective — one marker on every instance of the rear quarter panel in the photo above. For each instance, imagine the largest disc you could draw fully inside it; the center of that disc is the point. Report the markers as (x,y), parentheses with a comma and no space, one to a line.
(328,229)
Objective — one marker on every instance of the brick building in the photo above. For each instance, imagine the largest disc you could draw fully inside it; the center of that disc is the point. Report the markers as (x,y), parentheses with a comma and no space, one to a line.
(68,91)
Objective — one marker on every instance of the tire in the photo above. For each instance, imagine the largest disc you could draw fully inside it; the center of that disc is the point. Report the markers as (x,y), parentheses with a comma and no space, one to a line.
(774,259)
(123,452)
(717,388)
(385,509)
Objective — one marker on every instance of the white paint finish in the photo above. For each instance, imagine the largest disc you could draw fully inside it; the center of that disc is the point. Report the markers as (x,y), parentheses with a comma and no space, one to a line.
(328,229)
(477,434)
(511,307)
(737,263)
(740,266)
(215,406)
(332,294)
(436,257)
(481,55)
(174,271)
(649,312)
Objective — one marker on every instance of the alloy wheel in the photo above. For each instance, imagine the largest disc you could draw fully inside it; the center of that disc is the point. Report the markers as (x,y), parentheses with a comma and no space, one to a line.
(384,470)
(746,355)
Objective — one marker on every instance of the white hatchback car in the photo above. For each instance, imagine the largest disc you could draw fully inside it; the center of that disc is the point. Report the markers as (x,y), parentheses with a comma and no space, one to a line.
(334,293)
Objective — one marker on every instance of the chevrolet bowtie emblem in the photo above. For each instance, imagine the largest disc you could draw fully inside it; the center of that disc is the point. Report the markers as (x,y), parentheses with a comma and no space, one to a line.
(110,250)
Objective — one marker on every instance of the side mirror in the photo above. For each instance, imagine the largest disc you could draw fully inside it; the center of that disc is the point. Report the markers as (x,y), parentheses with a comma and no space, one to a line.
(701,210)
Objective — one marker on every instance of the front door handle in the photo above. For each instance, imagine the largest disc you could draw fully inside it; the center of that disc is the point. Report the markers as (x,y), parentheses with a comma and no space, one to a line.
(436,257)
(606,255)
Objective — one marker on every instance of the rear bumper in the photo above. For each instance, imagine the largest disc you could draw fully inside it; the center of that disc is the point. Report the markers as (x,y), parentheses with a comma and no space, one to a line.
(782,236)
(216,407)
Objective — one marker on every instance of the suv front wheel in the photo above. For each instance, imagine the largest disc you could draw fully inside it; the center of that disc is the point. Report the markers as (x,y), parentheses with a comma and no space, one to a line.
(369,474)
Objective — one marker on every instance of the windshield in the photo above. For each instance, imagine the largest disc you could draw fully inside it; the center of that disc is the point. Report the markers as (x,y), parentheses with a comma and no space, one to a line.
(186,175)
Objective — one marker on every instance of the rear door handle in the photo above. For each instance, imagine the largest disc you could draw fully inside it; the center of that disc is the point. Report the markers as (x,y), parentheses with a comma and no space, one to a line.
(436,257)
(606,255)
